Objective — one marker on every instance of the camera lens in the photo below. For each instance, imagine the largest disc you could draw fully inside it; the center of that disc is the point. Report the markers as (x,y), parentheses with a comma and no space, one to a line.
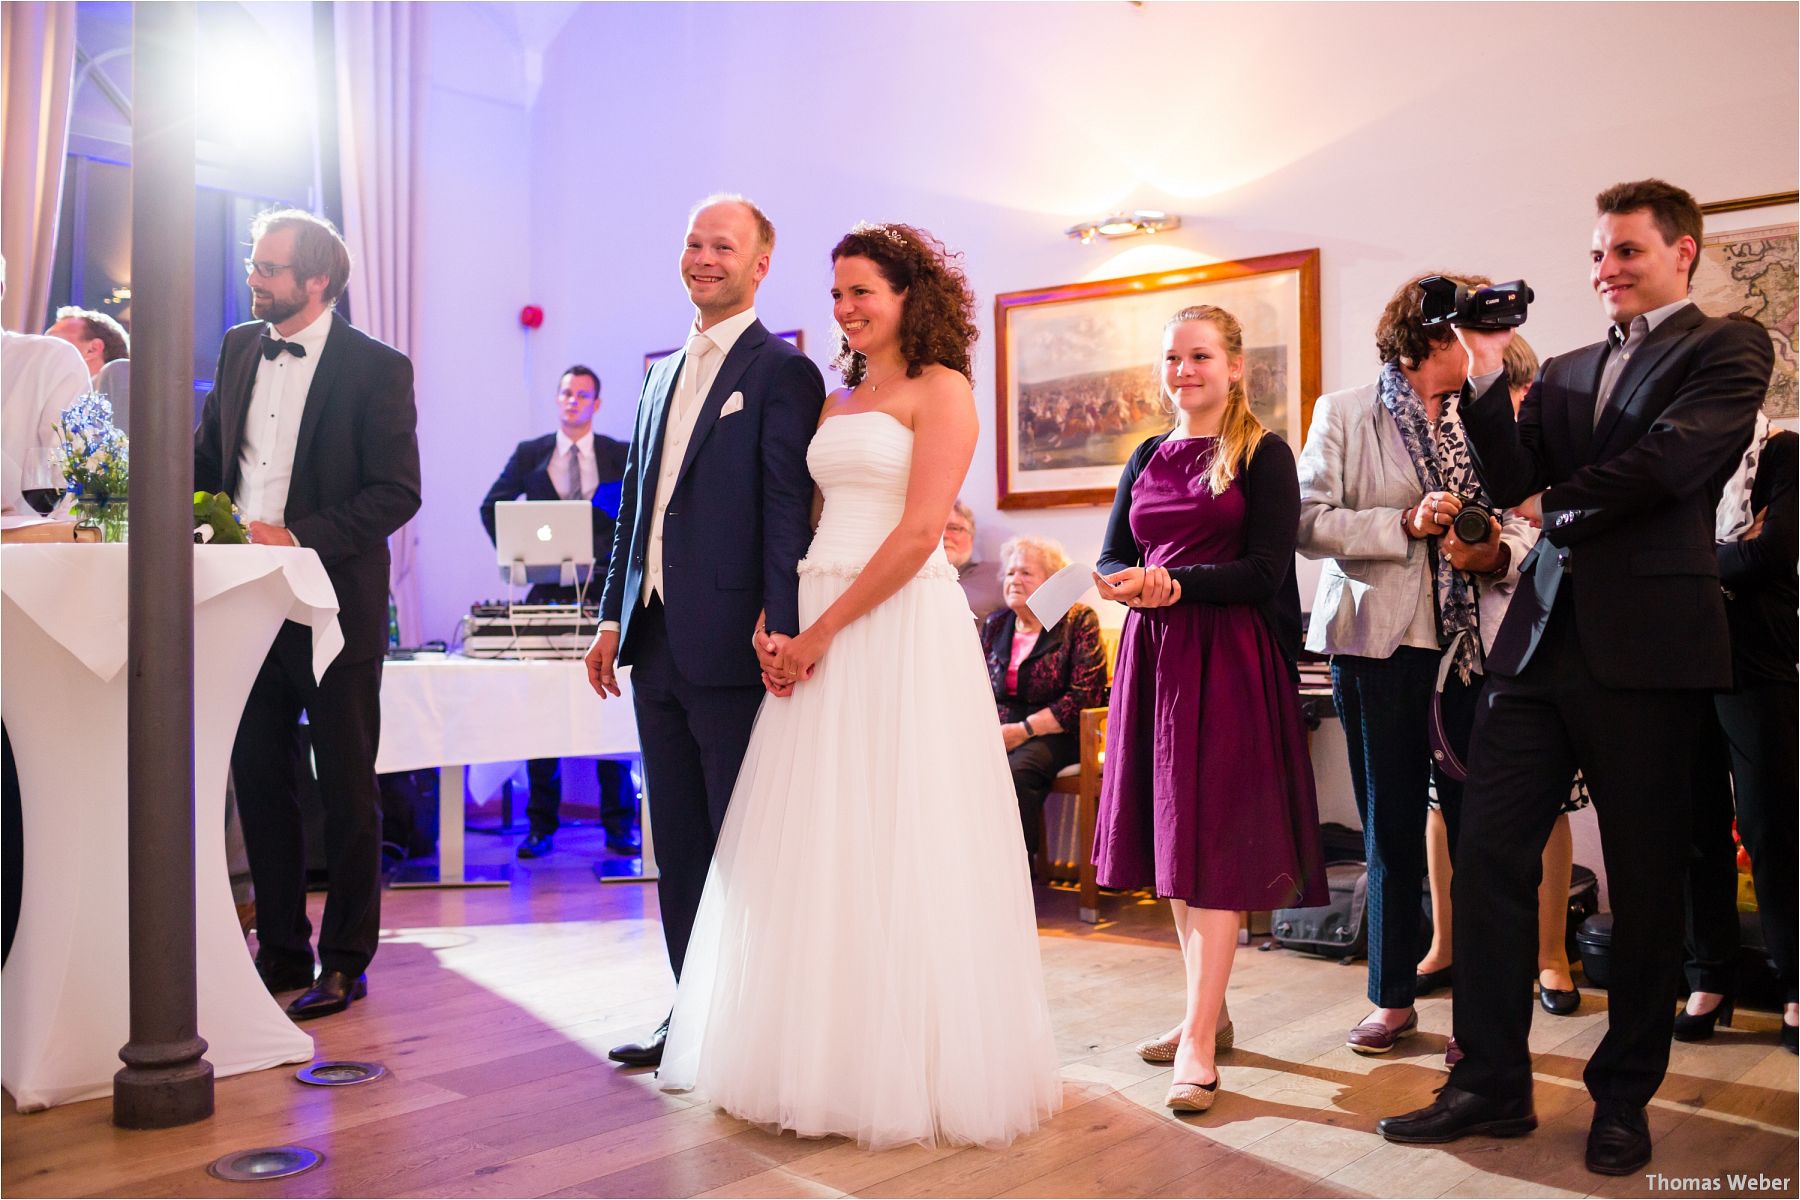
(1471,524)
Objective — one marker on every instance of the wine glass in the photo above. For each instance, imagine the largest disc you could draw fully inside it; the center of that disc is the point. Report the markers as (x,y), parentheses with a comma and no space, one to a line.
(44,484)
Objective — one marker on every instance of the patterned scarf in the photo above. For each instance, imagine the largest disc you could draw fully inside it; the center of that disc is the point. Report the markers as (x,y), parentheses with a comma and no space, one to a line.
(1442,465)
(1734,514)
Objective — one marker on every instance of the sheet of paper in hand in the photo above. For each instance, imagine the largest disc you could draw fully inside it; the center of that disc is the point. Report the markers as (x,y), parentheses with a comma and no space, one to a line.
(1056,594)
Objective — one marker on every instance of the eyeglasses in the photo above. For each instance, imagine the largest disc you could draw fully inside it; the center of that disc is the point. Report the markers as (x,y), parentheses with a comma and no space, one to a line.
(954,527)
(264,270)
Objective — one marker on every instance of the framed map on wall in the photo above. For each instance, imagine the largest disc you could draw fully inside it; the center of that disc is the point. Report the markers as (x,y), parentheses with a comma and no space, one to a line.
(1747,265)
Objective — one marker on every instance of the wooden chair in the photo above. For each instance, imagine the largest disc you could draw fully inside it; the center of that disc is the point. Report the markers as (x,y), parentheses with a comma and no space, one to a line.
(1080,781)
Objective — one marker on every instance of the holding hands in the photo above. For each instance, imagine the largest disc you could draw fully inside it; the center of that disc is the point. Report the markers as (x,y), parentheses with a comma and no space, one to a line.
(785,660)
(1140,587)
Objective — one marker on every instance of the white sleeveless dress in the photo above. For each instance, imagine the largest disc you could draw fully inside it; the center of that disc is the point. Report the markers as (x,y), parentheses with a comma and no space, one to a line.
(865,958)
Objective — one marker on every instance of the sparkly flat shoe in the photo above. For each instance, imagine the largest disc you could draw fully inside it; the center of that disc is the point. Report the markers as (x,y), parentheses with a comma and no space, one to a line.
(1192,1097)
(1164,1052)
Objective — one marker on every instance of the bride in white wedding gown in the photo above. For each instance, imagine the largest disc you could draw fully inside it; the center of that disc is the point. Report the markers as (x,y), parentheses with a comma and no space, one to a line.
(865,958)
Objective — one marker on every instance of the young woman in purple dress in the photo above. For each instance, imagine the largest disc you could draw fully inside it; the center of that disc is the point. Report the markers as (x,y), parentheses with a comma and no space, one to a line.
(1208,795)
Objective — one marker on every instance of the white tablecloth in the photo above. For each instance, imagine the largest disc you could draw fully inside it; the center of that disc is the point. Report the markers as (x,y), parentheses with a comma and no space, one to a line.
(450,713)
(439,709)
(64,695)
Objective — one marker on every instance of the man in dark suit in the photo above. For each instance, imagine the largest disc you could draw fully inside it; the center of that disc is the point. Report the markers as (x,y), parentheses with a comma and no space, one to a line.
(574,463)
(712,524)
(1605,662)
(311,429)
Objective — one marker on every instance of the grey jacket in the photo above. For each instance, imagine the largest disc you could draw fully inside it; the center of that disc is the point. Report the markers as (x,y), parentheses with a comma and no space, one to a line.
(1355,480)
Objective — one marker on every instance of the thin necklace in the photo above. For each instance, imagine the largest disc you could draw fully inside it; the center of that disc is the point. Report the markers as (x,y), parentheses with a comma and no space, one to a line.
(876,387)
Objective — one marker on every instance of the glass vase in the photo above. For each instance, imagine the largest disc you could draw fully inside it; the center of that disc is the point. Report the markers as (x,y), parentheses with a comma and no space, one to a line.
(111,515)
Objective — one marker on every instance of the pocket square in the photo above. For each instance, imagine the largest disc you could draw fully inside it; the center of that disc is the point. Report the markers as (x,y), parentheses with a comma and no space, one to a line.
(734,403)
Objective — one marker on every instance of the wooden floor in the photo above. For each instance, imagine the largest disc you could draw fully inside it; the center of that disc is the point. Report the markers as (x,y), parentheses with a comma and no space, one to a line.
(493,1011)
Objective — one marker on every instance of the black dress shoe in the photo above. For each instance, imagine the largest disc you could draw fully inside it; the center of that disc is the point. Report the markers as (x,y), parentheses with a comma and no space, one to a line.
(1557,1002)
(625,842)
(284,977)
(1428,982)
(647,1053)
(1698,1029)
(1456,1113)
(535,846)
(1618,1142)
(331,994)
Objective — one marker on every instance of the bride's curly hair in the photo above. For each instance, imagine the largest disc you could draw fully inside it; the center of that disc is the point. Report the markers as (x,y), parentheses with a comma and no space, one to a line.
(937,321)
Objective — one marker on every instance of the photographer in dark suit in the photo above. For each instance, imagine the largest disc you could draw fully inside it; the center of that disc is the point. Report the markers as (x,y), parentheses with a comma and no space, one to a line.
(1605,663)
(574,463)
(311,430)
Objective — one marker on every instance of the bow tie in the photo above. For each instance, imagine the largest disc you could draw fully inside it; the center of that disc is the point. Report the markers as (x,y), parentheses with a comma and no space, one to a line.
(271,347)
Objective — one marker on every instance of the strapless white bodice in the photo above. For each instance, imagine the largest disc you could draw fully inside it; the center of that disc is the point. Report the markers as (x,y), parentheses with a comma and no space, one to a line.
(861,462)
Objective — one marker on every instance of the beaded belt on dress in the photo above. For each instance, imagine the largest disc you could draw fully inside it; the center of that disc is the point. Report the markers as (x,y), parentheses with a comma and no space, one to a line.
(850,570)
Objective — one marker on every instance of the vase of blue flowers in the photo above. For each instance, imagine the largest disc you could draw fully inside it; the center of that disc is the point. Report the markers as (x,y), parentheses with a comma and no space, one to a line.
(96,463)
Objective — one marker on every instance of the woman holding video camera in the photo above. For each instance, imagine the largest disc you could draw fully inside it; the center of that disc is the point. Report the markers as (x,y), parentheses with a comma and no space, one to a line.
(1384,478)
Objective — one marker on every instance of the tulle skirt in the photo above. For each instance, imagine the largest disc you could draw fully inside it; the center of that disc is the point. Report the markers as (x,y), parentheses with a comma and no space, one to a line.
(865,958)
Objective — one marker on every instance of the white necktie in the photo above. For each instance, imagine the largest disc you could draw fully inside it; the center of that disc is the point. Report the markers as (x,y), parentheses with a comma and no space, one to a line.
(698,347)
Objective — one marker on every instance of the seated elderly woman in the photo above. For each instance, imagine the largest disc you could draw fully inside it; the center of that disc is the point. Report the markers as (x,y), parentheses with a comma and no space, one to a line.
(1042,678)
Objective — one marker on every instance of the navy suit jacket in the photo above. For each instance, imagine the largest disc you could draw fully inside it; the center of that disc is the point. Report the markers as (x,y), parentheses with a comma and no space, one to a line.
(356,463)
(1628,516)
(739,515)
(527,475)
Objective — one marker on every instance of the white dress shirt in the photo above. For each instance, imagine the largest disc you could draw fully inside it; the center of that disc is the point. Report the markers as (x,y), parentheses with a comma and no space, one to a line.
(39,378)
(272,426)
(559,465)
(698,371)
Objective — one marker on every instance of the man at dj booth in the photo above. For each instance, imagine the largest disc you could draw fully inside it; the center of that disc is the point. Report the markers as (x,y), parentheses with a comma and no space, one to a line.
(574,463)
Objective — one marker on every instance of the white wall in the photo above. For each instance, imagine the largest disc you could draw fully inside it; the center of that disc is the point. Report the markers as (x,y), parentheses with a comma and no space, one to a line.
(470,370)
(1267,127)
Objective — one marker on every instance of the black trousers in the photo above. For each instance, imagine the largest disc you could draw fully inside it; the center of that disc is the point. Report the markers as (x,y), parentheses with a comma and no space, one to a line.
(343,712)
(1756,738)
(693,740)
(1710,882)
(618,806)
(1636,749)
(12,846)
(1035,763)
(1384,705)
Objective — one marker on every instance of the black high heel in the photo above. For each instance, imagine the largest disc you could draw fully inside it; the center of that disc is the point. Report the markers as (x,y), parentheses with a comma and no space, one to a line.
(1790,1038)
(1689,1028)
(1427,982)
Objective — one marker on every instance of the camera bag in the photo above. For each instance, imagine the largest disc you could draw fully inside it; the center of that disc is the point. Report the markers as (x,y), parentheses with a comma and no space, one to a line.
(1336,929)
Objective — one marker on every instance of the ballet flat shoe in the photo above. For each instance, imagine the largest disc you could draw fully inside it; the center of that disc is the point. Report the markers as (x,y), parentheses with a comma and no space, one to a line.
(1192,1097)
(1164,1052)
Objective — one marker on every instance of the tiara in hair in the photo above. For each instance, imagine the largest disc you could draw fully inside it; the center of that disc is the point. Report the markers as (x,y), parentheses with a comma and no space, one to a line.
(887,231)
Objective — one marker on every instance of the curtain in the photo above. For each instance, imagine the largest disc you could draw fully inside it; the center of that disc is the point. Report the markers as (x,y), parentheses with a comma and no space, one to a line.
(34,111)
(380,66)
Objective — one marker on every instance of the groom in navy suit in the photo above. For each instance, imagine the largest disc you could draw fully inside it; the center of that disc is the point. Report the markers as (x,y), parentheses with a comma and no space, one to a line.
(713,519)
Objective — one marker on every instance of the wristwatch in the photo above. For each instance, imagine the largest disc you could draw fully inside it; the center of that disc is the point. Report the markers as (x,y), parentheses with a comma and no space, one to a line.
(1026,725)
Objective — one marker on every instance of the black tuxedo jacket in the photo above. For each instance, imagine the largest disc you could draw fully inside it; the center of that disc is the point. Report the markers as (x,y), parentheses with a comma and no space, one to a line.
(1628,514)
(356,463)
(739,516)
(527,476)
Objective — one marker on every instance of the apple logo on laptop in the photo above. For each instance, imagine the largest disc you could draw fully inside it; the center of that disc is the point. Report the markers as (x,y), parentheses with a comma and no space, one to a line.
(543,533)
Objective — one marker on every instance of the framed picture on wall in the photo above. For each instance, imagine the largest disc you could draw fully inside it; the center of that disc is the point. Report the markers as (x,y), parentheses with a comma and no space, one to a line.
(1079,379)
(1747,265)
(796,336)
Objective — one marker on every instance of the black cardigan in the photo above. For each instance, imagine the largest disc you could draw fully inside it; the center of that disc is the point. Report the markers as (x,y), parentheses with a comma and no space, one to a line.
(1264,575)
(1759,574)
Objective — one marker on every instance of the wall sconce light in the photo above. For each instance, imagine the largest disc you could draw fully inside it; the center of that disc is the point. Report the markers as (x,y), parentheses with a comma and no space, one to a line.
(1121,225)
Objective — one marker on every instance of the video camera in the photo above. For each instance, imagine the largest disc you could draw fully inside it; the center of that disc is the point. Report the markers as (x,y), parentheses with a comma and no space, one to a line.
(1497,306)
